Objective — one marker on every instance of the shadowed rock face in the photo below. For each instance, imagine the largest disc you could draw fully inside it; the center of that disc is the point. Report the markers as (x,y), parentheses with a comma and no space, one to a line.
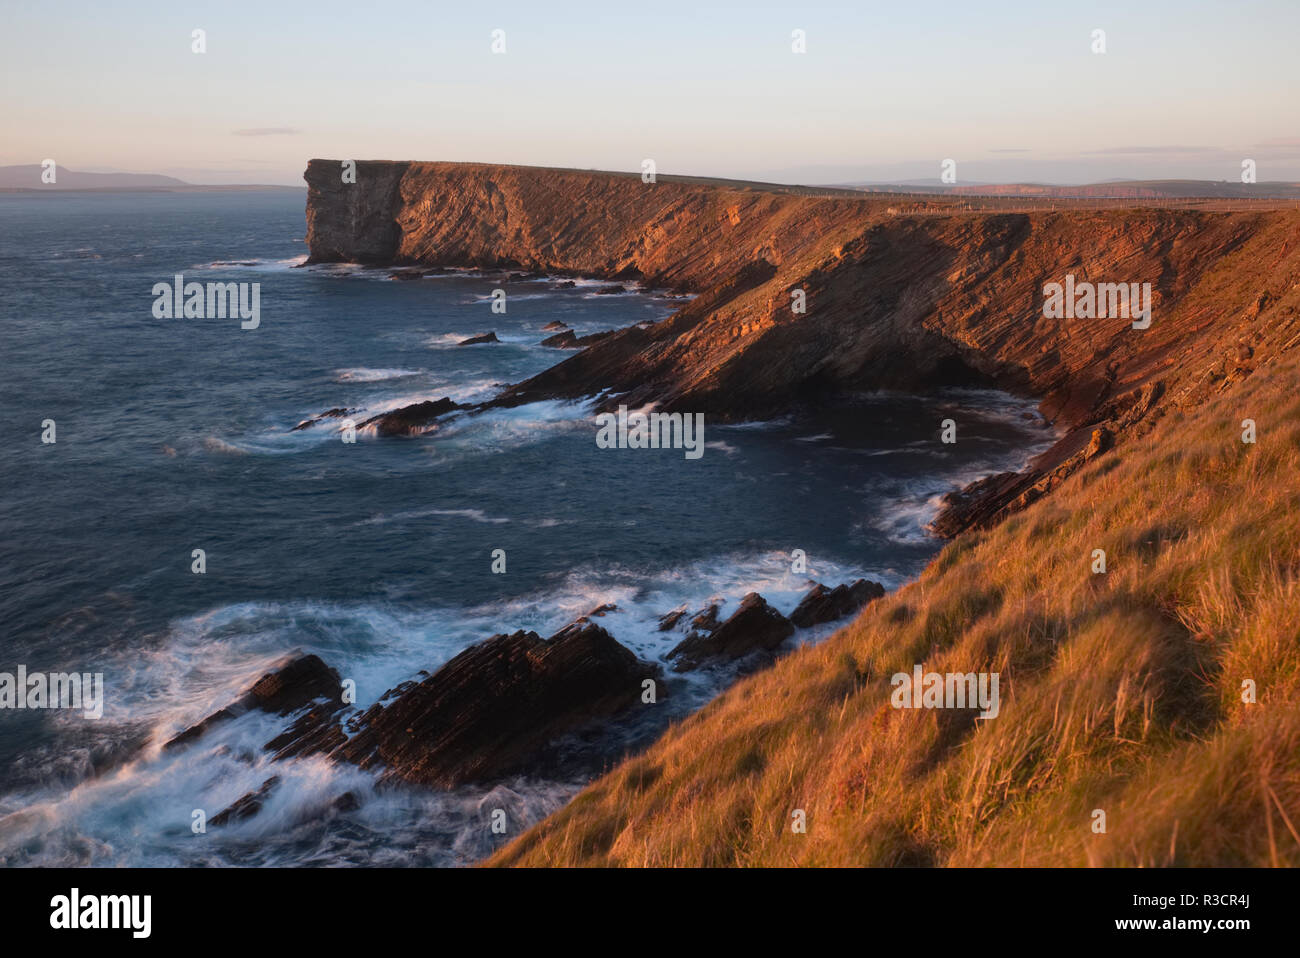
(754,627)
(302,681)
(568,339)
(897,294)
(359,220)
(826,605)
(413,420)
(491,711)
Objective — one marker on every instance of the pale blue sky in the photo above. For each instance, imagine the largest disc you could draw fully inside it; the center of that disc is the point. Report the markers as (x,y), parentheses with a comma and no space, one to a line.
(1011,90)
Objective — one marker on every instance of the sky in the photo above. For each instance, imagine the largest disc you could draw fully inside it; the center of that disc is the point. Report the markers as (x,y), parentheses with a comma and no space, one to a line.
(886,91)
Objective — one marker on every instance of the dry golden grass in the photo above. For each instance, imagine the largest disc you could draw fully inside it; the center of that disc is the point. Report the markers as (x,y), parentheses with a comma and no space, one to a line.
(1120,692)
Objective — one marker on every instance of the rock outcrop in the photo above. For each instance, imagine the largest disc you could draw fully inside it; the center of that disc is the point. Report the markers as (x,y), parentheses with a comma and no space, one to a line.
(413,420)
(336,413)
(826,605)
(754,627)
(568,339)
(493,710)
(490,710)
(301,681)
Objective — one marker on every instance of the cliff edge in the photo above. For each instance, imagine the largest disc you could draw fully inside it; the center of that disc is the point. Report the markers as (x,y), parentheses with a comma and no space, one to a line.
(803,294)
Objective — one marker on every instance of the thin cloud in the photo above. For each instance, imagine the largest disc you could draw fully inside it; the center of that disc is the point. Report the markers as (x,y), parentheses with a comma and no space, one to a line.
(1125,150)
(268,131)
(1009,151)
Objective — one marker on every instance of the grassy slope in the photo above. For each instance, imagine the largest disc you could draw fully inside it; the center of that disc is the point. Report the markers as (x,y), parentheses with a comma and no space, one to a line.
(1119,691)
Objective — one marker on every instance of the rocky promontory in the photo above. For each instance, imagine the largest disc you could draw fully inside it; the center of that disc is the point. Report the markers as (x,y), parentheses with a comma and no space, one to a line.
(806,294)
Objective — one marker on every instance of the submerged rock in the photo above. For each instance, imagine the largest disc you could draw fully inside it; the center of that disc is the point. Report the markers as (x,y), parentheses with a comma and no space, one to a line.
(247,805)
(336,413)
(825,605)
(413,420)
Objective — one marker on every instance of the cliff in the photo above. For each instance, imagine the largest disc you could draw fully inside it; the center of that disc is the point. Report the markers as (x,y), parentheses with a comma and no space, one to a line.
(907,295)
(1160,689)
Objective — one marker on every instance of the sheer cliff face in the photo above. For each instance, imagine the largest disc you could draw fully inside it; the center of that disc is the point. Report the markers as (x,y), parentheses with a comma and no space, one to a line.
(897,295)
(353,222)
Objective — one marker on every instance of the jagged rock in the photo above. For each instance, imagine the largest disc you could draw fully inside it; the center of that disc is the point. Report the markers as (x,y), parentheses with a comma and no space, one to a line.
(610,290)
(314,732)
(668,621)
(826,605)
(567,339)
(565,284)
(247,805)
(477,340)
(571,340)
(706,620)
(754,627)
(582,342)
(302,681)
(494,709)
(555,325)
(489,710)
(336,413)
(413,420)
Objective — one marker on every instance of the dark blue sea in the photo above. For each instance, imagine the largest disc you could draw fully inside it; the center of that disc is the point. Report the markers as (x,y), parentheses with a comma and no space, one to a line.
(175,434)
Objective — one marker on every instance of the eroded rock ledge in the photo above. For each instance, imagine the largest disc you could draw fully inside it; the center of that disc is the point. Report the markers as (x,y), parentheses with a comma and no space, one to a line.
(899,295)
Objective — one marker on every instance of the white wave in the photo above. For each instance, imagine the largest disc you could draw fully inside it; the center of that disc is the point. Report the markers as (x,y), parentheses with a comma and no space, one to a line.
(258,265)
(213,444)
(363,374)
(208,659)
(477,515)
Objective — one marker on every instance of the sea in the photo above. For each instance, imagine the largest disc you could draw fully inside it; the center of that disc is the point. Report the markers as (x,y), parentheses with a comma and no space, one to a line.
(173,439)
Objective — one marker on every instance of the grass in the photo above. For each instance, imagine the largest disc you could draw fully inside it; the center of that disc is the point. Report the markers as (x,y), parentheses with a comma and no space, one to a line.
(1121,692)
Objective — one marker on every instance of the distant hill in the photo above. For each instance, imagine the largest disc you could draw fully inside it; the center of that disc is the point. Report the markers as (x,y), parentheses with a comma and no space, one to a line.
(27,178)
